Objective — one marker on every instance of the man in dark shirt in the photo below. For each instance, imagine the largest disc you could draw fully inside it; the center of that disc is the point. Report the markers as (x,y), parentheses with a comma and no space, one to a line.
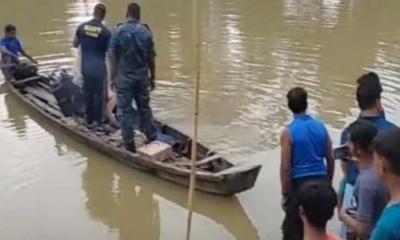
(94,39)
(132,58)
(369,92)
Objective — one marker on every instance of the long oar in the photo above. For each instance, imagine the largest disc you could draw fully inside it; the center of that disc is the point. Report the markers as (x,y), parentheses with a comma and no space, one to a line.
(192,184)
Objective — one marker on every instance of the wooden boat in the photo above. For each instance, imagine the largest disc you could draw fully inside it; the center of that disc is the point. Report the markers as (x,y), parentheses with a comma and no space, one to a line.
(214,174)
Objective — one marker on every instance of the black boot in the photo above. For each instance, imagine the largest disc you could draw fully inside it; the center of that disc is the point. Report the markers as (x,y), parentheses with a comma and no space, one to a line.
(130,147)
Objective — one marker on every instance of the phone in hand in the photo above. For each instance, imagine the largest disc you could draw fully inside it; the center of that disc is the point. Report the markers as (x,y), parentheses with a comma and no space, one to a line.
(341,152)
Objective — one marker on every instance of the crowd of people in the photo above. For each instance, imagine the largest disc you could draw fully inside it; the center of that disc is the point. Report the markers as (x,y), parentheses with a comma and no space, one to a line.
(370,159)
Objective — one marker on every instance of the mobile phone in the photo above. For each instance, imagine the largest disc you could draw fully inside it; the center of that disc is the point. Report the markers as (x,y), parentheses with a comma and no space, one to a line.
(341,152)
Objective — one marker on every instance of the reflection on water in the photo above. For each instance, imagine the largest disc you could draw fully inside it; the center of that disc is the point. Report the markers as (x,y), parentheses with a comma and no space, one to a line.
(121,204)
(254,51)
(15,119)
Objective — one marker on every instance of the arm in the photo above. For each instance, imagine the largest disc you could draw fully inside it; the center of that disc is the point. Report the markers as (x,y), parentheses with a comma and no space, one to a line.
(23,53)
(344,140)
(114,58)
(5,51)
(76,42)
(152,66)
(285,169)
(152,58)
(113,68)
(360,228)
(330,162)
(365,210)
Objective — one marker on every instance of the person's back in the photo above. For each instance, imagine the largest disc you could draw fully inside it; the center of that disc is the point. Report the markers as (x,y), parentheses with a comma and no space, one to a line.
(133,47)
(309,146)
(305,145)
(94,40)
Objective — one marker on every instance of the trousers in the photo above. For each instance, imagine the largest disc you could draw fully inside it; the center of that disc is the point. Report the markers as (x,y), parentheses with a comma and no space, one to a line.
(134,87)
(292,226)
(94,90)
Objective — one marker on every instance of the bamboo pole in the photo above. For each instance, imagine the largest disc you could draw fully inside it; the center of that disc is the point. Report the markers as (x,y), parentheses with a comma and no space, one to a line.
(192,184)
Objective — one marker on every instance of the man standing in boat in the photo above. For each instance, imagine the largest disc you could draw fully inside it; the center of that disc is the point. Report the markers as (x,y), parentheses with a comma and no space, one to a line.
(94,39)
(132,56)
(306,156)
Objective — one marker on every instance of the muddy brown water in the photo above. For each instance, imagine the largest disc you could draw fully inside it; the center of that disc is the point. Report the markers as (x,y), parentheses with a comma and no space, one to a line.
(52,187)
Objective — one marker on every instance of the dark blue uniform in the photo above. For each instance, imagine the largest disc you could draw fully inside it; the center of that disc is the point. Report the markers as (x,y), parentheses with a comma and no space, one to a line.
(133,47)
(94,39)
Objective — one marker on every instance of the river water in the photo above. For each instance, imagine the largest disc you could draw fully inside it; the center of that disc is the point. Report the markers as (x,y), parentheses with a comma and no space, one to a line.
(52,187)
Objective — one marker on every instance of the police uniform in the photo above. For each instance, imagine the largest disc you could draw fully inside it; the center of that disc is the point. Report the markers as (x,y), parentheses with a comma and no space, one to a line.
(94,39)
(133,47)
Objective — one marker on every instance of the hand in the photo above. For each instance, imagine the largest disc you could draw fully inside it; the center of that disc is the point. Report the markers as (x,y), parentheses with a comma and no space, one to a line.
(152,86)
(342,213)
(35,62)
(113,86)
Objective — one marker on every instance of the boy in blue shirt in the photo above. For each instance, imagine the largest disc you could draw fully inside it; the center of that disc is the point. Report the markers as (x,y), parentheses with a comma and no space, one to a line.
(387,162)
(11,48)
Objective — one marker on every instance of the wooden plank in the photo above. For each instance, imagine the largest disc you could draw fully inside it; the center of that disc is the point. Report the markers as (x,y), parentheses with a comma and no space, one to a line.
(44,106)
(238,169)
(203,161)
(42,94)
(44,86)
(208,159)
(22,82)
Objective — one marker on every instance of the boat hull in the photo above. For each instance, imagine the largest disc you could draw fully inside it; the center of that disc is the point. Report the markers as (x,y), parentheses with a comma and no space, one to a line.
(216,183)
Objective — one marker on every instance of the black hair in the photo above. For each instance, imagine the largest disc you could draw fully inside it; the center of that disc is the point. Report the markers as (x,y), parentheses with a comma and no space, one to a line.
(134,11)
(297,100)
(387,145)
(9,28)
(318,200)
(100,10)
(362,134)
(369,90)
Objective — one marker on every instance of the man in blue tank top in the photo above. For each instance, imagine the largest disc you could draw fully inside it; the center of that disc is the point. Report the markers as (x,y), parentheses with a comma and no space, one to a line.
(306,155)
